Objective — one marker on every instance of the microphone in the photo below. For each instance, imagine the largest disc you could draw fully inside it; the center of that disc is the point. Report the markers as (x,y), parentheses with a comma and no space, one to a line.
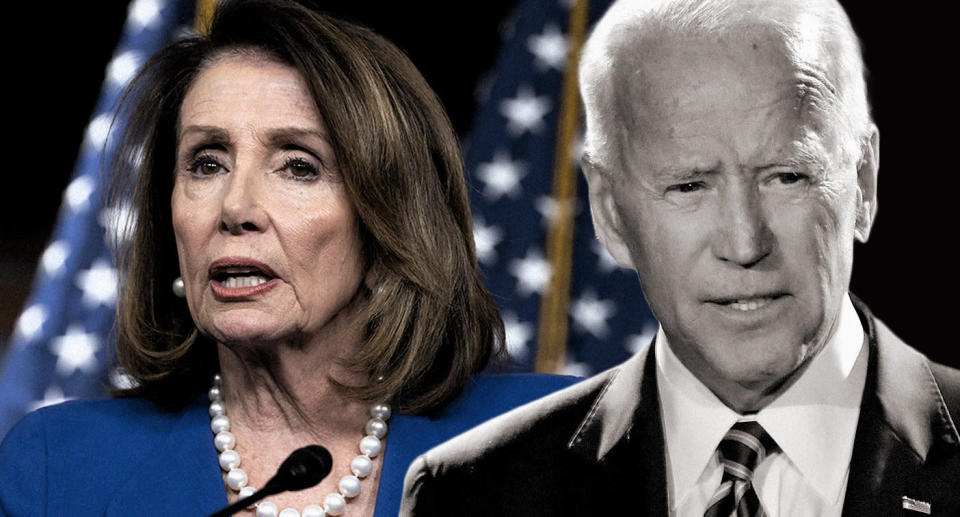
(303,468)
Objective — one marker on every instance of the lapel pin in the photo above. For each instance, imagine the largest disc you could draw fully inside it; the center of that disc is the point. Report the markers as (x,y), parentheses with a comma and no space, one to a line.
(916,505)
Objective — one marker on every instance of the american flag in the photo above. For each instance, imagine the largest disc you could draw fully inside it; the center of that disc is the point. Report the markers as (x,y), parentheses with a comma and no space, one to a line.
(512,164)
(62,343)
(62,346)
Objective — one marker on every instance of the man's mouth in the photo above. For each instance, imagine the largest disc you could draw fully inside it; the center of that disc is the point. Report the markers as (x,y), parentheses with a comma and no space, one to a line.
(748,303)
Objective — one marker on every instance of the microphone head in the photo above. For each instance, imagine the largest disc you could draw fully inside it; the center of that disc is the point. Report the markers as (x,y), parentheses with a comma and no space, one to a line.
(304,468)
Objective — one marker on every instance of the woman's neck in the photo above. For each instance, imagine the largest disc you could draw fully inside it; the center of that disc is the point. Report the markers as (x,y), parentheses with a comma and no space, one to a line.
(287,386)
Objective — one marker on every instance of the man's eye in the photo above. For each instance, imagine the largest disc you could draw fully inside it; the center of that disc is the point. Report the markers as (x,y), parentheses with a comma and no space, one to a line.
(790,178)
(684,188)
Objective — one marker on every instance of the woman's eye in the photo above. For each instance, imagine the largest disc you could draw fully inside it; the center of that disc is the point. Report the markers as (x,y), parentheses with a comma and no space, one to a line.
(300,168)
(205,166)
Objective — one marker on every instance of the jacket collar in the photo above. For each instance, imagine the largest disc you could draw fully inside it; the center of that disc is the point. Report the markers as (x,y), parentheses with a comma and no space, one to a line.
(908,394)
(906,438)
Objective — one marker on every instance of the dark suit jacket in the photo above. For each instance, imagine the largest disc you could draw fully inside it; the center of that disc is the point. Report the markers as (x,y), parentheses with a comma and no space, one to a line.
(597,447)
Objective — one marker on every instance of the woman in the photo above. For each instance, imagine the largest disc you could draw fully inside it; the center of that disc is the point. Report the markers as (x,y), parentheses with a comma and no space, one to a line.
(301,182)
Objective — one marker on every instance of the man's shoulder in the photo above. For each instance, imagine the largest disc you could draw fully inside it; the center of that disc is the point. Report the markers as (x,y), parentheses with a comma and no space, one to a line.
(548,421)
(489,395)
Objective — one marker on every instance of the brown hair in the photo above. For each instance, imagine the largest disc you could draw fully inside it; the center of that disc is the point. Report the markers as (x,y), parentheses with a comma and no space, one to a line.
(429,321)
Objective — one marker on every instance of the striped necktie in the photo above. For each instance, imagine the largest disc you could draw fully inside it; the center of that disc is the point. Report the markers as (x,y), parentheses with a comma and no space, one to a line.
(742,449)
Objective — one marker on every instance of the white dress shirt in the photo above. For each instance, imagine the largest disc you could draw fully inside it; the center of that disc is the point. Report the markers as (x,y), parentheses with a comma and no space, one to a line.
(814,422)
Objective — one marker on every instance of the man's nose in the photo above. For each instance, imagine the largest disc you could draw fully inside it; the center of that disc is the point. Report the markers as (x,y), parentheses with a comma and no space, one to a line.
(742,235)
(241,209)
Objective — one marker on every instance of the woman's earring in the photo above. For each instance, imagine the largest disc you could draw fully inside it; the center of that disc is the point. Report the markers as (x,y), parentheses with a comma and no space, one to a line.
(178,288)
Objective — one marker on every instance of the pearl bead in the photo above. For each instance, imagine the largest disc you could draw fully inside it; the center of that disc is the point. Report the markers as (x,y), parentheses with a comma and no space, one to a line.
(236,479)
(361,466)
(229,459)
(370,445)
(214,393)
(178,288)
(246,492)
(289,512)
(313,511)
(219,423)
(224,441)
(217,379)
(334,504)
(381,411)
(216,408)
(375,426)
(266,509)
(349,486)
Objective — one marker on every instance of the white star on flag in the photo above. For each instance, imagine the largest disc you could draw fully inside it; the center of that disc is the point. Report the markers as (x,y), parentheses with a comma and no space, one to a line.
(54,257)
(122,68)
(518,333)
(99,284)
(53,395)
(637,342)
(501,176)
(549,48)
(77,194)
(605,261)
(590,313)
(486,239)
(549,208)
(31,321)
(577,369)
(144,13)
(98,130)
(525,111)
(75,350)
(532,273)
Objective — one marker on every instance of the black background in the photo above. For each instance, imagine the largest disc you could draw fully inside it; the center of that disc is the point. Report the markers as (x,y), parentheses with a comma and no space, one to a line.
(56,65)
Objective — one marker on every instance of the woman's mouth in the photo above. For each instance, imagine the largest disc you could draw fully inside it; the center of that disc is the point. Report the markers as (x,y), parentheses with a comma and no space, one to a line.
(240,278)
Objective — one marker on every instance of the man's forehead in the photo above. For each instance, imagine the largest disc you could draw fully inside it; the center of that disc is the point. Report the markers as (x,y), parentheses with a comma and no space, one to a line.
(677,78)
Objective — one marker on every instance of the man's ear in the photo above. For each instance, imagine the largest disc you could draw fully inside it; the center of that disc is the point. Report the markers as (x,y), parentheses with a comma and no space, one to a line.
(867,169)
(603,210)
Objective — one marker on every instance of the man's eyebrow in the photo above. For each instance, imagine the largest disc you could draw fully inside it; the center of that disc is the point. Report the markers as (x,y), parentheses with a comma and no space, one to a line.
(684,173)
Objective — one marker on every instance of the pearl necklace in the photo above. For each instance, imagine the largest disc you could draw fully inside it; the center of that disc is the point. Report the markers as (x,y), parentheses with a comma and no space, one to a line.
(333,504)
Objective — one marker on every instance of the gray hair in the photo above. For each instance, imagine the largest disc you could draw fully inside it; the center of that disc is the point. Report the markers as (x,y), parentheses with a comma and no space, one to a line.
(813,31)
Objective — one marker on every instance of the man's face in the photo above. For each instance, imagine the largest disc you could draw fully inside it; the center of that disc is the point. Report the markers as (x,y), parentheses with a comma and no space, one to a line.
(736,207)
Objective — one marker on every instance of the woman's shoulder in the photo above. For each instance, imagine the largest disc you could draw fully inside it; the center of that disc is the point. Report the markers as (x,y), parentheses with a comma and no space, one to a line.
(91,428)
(107,417)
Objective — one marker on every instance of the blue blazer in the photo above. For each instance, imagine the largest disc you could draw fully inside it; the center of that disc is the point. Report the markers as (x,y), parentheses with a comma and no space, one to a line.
(127,457)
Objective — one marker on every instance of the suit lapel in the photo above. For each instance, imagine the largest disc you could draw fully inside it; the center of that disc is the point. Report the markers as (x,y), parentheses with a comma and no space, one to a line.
(180,477)
(621,439)
(408,434)
(904,433)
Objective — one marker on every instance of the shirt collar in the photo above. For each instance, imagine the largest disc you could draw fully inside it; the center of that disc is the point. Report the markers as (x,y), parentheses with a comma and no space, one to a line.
(814,421)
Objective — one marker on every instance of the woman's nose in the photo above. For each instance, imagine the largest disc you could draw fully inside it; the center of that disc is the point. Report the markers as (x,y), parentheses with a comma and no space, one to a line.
(241,208)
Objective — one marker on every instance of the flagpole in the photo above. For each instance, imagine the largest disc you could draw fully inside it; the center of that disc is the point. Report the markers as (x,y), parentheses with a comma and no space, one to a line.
(555,302)
(203,15)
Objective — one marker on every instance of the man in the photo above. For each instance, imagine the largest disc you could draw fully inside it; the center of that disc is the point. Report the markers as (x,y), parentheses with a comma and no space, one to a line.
(732,162)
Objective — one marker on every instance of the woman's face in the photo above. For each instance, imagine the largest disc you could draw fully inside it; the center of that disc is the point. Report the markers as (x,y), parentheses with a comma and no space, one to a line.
(267,238)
